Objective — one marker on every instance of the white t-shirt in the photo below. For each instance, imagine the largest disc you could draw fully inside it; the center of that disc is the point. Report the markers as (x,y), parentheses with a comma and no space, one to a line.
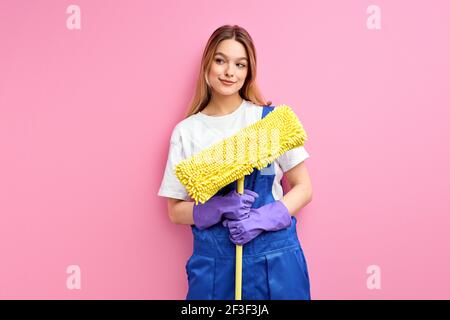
(199,131)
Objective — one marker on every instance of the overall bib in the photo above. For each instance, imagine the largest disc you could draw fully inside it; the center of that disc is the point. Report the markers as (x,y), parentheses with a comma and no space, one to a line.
(273,263)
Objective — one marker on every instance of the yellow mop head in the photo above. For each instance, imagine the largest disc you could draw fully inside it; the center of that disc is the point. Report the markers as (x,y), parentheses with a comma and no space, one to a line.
(255,146)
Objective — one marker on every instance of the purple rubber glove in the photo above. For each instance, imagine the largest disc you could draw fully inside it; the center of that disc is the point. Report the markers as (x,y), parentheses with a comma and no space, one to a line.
(231,206)
(273,216)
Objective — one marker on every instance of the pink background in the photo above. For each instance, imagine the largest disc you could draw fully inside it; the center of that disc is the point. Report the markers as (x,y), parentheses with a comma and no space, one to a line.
(86,116)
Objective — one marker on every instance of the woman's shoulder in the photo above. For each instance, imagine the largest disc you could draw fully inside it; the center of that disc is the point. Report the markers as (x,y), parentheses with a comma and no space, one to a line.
(260,107)
(183,127)
(253,107)
(256,111)
(187,123)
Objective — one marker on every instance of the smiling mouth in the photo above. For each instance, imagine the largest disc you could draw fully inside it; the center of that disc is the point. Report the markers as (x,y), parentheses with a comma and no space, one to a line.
(227,82)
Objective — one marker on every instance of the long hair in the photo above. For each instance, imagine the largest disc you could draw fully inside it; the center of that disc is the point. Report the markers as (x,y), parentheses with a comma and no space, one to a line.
(249,90)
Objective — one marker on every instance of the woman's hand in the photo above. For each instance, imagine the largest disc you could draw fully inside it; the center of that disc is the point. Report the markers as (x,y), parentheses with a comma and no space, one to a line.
(233,206)
(270,217)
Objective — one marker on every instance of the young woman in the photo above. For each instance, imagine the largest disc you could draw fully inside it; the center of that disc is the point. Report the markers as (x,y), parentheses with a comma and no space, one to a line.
(262,219)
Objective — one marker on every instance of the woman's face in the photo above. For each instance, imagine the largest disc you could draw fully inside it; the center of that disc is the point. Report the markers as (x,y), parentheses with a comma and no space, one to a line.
(230,62)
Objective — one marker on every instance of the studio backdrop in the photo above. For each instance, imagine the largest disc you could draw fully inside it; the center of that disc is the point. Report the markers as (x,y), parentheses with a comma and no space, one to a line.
(90,92)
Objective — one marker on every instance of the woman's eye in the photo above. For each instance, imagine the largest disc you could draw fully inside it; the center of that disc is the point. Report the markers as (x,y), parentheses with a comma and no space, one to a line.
(239,64)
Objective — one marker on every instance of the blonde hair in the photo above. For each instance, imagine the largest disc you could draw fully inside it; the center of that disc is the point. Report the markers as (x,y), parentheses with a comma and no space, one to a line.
(249,90)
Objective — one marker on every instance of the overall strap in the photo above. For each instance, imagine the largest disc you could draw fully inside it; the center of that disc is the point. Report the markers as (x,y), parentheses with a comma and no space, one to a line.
(266,110)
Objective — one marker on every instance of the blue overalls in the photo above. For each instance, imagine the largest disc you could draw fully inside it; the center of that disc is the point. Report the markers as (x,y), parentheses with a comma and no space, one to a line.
(273,264)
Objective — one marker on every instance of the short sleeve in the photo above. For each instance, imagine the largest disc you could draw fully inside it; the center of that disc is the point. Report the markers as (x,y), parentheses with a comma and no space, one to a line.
(171,187)
(291,158)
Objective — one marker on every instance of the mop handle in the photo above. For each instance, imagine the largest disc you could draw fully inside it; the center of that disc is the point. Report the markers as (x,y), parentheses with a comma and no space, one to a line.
(238,280)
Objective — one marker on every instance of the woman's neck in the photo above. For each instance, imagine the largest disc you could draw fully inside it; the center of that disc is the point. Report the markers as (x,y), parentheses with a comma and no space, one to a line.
(222,106)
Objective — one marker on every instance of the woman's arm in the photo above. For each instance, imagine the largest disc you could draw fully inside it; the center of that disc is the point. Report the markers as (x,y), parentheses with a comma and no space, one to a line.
(180,211)
(301,189)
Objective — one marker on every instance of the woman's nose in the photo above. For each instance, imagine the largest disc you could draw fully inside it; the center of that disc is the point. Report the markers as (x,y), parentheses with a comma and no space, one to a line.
(229,70)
